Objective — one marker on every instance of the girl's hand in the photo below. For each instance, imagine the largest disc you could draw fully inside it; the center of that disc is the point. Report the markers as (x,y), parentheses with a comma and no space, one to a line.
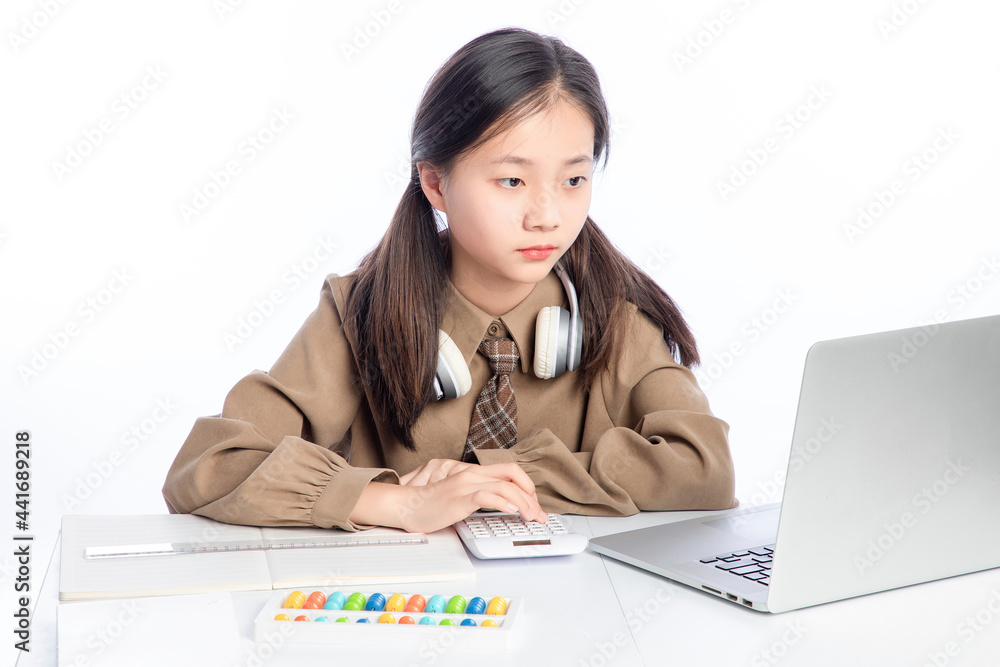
(435,470)
(442,492)
(464,490)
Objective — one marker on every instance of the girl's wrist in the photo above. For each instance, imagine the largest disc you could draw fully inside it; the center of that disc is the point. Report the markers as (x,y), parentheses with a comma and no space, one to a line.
(380,504)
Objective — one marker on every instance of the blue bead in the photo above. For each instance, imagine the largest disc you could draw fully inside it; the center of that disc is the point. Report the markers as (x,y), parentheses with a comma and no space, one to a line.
(376,602)
(468,621)
(363,620)
(476,605)
(436,604)
(335,601)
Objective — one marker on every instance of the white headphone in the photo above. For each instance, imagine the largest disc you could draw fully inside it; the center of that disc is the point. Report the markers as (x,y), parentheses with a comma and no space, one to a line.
(558,346)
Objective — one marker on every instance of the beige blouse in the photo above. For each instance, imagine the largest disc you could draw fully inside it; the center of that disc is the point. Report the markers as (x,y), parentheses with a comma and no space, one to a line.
(297,445)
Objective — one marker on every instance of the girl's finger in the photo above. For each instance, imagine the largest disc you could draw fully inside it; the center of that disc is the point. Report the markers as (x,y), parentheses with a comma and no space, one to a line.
(404,480)
(434,471)
(510,472)
(505,497)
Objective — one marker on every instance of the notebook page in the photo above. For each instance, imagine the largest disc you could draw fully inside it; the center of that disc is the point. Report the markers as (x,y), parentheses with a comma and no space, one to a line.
(82,578)
(441,558)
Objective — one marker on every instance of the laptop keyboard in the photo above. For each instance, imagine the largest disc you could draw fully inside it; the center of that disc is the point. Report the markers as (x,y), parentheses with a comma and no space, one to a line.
(753,564)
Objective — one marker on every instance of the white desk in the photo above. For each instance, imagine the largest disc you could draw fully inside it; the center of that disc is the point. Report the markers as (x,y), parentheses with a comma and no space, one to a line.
(588,610)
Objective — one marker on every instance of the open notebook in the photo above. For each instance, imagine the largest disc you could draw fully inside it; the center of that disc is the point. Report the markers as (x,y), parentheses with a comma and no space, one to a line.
(441,557)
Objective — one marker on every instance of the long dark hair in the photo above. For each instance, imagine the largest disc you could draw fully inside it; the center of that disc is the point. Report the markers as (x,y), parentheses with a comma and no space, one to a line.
(395,304)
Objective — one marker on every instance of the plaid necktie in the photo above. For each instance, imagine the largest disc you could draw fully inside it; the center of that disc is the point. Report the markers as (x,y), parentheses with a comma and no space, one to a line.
(494,422)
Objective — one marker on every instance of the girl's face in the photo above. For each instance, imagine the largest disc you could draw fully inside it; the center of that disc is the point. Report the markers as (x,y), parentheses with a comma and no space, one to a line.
(517,203)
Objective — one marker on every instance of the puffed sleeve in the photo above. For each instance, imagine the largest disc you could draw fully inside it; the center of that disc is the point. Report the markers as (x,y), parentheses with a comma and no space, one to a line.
(650,441)
(275,456)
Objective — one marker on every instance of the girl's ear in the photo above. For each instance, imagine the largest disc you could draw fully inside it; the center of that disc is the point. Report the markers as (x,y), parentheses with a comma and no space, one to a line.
(430,182)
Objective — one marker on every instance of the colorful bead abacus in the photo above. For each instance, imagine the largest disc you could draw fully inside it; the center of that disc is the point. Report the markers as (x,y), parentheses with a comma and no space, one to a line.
(356,616)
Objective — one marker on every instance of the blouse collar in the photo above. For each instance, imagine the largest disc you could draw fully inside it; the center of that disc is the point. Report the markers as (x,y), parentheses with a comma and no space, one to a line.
(467,325)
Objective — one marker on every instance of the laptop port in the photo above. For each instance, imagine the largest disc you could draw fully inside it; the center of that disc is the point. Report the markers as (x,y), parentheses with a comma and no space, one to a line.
(731,597)
(747,602)
(711,590)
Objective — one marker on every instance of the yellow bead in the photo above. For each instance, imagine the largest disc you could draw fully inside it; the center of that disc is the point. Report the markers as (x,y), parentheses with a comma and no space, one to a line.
(396,602)
(497,607)
(295,600)
(386,618)
(282,617)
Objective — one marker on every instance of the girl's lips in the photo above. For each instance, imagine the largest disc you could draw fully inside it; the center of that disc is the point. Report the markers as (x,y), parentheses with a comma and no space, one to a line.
(537,252)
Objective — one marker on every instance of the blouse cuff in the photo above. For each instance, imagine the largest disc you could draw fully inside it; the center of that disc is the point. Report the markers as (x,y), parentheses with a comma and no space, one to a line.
(334,506)
(525,450)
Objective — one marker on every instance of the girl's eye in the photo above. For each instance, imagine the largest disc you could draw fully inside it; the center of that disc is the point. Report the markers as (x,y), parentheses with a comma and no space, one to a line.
(514,182)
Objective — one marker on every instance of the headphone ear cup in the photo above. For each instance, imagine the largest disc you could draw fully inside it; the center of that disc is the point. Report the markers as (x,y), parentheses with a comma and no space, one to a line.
(453,374)
(547,342)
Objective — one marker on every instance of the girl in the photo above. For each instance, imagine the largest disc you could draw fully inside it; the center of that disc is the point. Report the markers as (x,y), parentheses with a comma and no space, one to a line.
(346,430)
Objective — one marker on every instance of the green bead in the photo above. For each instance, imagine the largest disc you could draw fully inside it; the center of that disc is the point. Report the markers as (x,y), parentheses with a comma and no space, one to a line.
(456,605)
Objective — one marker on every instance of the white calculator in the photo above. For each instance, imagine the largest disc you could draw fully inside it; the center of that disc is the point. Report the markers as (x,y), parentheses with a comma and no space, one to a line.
(499,535)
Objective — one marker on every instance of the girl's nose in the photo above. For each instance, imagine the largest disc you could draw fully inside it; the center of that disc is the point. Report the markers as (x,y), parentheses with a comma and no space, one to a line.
(543,212)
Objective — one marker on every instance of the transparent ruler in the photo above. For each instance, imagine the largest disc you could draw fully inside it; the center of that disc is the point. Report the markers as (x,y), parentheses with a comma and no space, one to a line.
(171,548)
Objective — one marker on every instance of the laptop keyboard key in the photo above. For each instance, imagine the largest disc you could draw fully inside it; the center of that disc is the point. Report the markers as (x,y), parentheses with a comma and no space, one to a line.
(736,564)
(753,564)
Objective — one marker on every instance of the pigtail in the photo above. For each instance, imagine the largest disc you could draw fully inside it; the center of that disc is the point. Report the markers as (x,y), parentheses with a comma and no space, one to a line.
(606,281)
(394,312)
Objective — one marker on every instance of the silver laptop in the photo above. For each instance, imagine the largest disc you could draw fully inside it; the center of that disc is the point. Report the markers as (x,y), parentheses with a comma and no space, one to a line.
(893,479)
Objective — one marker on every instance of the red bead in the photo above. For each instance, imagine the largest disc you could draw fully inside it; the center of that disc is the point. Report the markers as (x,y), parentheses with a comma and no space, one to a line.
(416,603)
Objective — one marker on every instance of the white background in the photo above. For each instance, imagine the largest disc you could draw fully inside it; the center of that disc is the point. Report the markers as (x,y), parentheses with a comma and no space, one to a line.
(116,309)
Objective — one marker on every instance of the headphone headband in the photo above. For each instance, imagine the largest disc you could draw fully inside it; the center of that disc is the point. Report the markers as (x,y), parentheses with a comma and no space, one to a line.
(574,342)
